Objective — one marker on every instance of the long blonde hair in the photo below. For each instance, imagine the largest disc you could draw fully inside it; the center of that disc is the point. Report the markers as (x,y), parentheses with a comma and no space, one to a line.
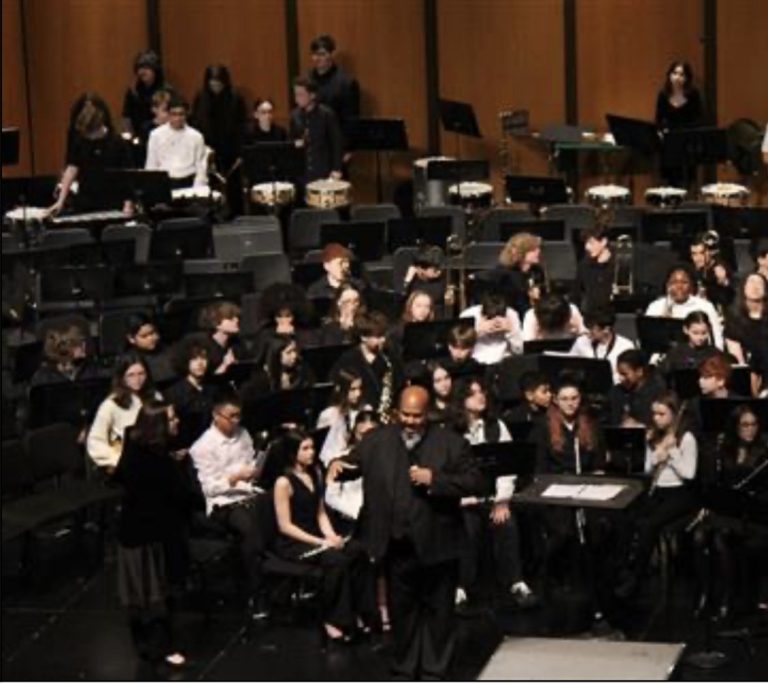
(517,247)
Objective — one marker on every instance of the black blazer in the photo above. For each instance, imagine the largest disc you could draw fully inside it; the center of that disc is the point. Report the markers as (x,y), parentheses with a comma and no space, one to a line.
(435,521)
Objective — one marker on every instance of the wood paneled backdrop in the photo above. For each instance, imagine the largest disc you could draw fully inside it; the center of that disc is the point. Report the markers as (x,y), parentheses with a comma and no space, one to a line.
(496,54)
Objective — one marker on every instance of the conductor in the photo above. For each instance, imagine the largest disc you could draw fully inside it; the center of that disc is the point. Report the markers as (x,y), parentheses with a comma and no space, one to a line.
(414,475)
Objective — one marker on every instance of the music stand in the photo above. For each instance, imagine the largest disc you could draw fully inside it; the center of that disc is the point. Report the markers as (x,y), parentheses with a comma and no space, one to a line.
(716,412)
(595,374)
(385,301)
(228,285)
(322,359)
(656,335)
(81,285)
(422,341)
(505,459)
(639,135)
(376,135)
(73,402)
(364,239)
(273,162)
(116,253)
(536,191)
(181,243)
(9,146)
(106,189)
(540,346)
(412,232)
(676,227)
(163,280)
(685,382)
(459,118)
(626,447)
(547,230)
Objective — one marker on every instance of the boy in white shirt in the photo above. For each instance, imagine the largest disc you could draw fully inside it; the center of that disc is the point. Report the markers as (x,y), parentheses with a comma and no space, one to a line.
(601,340)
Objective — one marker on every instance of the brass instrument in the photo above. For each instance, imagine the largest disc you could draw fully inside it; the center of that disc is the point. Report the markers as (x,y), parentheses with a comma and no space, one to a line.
(623,272)
(456,248)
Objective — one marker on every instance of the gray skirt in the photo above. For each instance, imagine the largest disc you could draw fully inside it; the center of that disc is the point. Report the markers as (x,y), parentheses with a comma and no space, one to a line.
(141,578)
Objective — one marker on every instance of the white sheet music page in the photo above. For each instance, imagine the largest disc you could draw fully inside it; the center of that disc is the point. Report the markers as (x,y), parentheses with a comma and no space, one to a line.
(599,492)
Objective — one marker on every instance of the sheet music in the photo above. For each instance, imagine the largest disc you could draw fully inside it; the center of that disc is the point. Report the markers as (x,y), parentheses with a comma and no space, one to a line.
(583,491)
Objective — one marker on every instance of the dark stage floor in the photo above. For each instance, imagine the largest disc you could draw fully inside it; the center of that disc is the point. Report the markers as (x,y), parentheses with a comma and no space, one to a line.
(72,628)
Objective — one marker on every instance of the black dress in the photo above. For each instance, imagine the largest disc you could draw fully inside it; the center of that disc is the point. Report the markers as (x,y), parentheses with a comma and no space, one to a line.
(670,117)
(94,155)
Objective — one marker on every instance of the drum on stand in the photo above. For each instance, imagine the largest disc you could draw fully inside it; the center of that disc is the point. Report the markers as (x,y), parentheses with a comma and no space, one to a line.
(725,194)
(665,197)
(27,223)
(273,194)
(329,194)
(196,196)
(471,195)
(605,196)
(429,192)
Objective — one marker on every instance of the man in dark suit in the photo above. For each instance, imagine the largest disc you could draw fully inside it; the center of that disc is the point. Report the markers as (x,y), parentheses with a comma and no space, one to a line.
(414,476)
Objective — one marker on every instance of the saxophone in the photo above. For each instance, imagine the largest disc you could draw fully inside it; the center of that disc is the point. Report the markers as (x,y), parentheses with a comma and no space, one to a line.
(387,390)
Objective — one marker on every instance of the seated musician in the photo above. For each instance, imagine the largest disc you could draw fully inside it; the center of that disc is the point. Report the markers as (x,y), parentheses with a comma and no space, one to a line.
(601,340)
(552,317)
(746,327)
(639,385)
(461,347)
(227,466)
(498,329)
(283,370)
(92,146)
(519,275)
(178,149)
(696,349)
(419,308)
(742,465)
(440,385)
(339,326)
(315,127)
(336,262)
(426,273)
(680,300)
(713,275)
(222,320)
(65,356)
(285,312)
(304,526)
(595,274)
(340,415)
(143,337)
(670,460)
(536,392)
(475,420)
(760,254)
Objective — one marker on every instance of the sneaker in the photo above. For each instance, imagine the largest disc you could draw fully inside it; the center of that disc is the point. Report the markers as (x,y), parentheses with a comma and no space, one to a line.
(523,596)
(461,597)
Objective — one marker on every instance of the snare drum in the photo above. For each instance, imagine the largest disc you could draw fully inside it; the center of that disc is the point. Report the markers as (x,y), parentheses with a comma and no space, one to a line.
(27,223)
(273,194)
(429,192)
(664,197)
(329,194)
(608,195)
(472,195)
(187,196)
(725,194)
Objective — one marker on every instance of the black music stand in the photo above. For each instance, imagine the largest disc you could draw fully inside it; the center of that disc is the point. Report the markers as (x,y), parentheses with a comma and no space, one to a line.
(548,230)
(413,232)
(459,118)
(109,188)
(685,382)
(657,335)
(181,243)
(322,359)
(298,406)
(80,285)
(422,341)
(272,162)
(536,191)
(626,449)
(716,412)
(639,135)
(694,147)
(505,459)
(228,285)
(163,280)
(75,403)
(385,301)
(376,135)
(458,171)
(676,227)
(9,146)
(363,238)
(540,346)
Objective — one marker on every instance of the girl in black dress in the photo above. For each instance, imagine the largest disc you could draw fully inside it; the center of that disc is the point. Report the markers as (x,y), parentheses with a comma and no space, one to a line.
(263,127)
(305,527)
(150,528)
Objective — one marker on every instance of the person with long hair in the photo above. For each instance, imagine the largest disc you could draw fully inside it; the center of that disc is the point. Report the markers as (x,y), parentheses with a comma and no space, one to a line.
(552,317)
(440,385)
(346,402)
(519,276)
(92,146)
(713,275)
(150,527)
(418,308)
(339,326)
(219,113)
(671,458)
(734,567)
(678,106)
(131,388)
(639,385)
(283,370)
(262,127)
(746,328)
(304,526)
(696,349)
(138,118)
(65,355)
(285,312)
(475,418)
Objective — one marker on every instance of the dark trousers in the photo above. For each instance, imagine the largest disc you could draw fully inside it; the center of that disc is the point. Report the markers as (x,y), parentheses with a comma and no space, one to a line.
(244,520)
(421,612)
(505,540)
(348,581)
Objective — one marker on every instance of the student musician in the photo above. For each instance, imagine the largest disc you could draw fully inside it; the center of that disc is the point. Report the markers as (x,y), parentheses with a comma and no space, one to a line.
(639,386)
(601,340)
(596,271)
(713,276)
(696,349)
